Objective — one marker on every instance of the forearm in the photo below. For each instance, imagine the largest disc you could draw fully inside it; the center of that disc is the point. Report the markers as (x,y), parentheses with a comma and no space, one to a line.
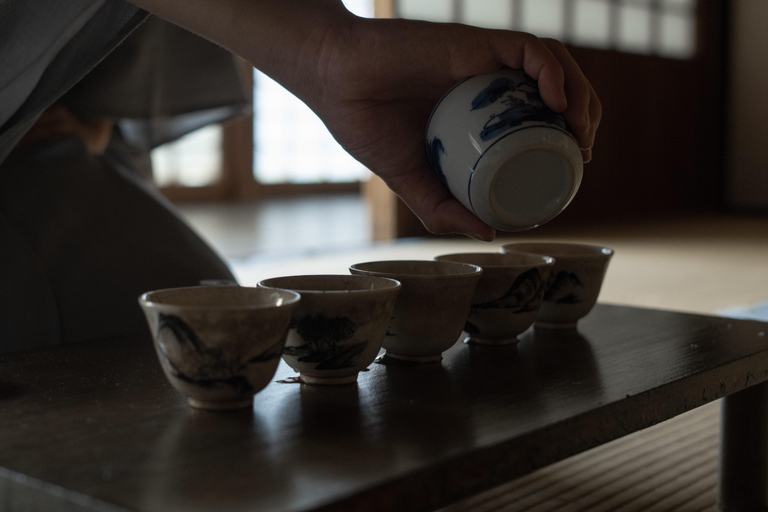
(375,82)
(283,38)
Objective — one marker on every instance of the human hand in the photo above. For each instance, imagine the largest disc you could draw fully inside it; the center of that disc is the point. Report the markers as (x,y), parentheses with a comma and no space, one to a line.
(374,82)
(382,78)
(58,123)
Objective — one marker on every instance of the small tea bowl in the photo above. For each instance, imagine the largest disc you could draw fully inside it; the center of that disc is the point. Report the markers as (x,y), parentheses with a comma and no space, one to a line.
(219,345)
(502,152)
(507,297)
(339,327)
(574,283)
(432,307)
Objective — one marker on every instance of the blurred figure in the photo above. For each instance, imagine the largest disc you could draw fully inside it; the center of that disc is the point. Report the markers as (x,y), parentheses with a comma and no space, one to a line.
(82,228)
(82,234)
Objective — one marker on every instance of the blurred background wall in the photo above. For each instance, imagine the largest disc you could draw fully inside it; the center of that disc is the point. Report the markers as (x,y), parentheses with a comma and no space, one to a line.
(747,164)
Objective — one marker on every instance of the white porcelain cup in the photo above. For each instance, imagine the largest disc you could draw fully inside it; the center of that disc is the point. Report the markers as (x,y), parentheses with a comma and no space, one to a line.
(574,283)
(504,154)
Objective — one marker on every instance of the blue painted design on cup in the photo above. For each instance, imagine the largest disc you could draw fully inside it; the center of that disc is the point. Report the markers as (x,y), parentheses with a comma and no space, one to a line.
(525,106)
(502,152)
(434,149)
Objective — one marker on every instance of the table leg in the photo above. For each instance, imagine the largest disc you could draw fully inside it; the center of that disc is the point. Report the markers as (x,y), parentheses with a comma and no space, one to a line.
(743,479)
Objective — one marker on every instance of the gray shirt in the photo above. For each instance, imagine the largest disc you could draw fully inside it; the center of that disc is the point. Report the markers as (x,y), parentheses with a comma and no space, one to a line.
(46,46)
(81,235)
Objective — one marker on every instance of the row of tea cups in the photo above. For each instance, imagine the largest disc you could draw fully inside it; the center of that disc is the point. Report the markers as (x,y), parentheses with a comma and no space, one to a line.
(219,345)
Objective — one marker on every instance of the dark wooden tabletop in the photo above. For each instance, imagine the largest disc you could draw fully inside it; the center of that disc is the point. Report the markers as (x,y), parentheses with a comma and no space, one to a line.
(96,426)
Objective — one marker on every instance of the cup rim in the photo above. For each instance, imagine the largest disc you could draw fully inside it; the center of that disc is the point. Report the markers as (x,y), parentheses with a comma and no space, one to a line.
(151,298)
(386,284)
(554,249)
(544,259)
(465,270)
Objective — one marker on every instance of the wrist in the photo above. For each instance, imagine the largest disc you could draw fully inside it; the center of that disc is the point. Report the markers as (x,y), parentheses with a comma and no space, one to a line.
(300,44)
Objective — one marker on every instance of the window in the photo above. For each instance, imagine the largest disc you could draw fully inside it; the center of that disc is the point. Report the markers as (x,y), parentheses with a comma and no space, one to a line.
(191,161)
(651,27)
(292,148)
(290,143)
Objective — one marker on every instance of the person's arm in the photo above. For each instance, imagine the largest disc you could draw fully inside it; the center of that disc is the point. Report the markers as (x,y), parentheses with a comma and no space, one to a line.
(374,82)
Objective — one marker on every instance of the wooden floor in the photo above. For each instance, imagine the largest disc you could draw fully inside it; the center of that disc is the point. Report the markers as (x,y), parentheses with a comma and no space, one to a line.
(697,264)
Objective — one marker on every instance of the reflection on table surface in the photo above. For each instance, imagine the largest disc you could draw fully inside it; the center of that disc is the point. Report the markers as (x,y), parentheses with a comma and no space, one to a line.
(98,423)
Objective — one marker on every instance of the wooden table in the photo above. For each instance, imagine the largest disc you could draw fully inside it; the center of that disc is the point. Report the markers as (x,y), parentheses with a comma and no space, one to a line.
(95,426)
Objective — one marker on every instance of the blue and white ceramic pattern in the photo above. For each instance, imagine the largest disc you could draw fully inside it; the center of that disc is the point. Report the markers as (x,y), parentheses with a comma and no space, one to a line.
(508,296)
(219,345)
(574,283)
(502,152)
(339,327)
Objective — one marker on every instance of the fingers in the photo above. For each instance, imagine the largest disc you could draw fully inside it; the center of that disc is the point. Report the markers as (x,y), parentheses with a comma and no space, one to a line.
(562,84)
(577,88)
(584,109)
(433,204)
(528,52)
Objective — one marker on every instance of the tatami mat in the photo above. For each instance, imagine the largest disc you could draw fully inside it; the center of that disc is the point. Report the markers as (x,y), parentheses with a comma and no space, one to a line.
(669,467)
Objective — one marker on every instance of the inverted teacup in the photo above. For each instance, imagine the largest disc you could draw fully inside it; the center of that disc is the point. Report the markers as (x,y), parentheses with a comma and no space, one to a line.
(502,152)
(432,307)
(574,283)
(339,327)
(219,345)
(507,297)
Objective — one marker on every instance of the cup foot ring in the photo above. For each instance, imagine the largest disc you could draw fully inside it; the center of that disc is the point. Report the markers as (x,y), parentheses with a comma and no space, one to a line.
(554,325)
(415,359)
(327,381)
(214,405)
(472,340)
